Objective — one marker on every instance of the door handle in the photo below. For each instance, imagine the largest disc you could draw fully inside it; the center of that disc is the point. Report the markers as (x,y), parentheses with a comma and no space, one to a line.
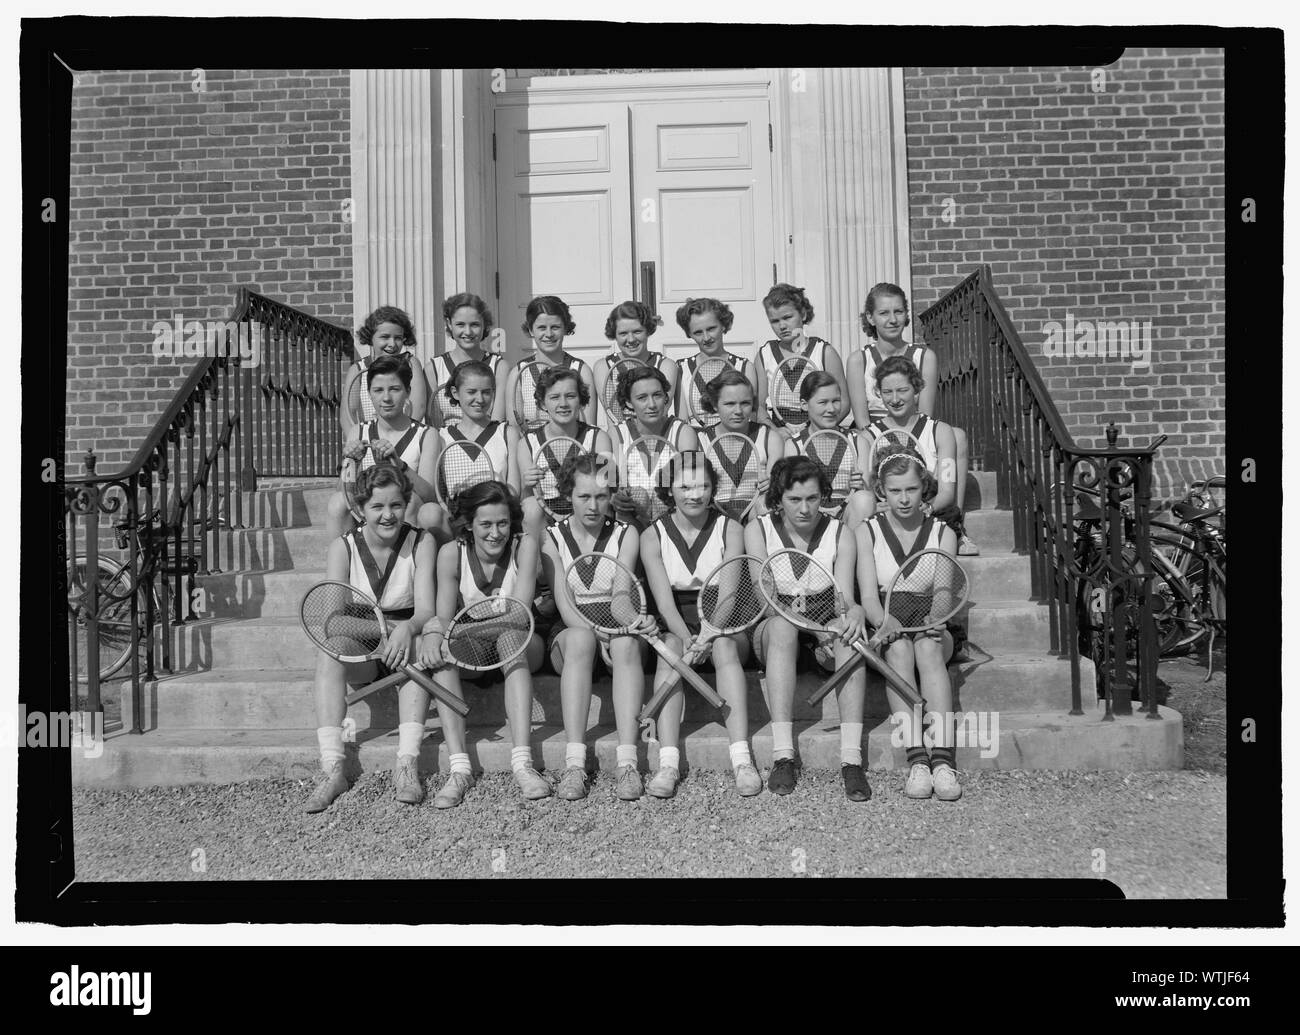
(648,295)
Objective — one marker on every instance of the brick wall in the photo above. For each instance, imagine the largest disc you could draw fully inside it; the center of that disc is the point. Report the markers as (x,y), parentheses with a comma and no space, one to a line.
(1093,199)
(178,198)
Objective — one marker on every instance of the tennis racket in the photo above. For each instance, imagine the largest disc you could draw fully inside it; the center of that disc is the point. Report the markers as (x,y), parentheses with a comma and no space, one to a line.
(349,626)
(645,474)
(548,459)
(891,440)
(735,458)
(804,593)
(348,483)
(611,599)
(929,590)
(728,603)
(489,633)
(528,415)
(784,389)
(461,464)
(356,394)
(697,391)
(835,452)
(618,369)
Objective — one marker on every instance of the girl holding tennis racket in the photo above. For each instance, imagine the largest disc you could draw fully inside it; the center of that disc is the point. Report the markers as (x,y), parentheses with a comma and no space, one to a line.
(467,322)
(387,331)
(392,435)
(546,322)
(884,318)
(795,521)
(393,563)
(630,325)
(574,648)
(646,442)
(730,397)
(900,385)
(491,556)
(840,451)
(679,550)
(473,391)
(562,397)
(792,353)
(893,535)
(705,321)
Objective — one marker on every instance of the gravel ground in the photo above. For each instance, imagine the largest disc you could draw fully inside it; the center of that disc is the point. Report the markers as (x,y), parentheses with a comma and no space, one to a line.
(1163,833)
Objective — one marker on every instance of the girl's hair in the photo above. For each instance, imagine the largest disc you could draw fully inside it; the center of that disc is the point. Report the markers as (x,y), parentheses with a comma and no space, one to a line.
(474,368)
(690,460)
(903,462)
(790,471)
(713,390)
(552,376)
(464,299)
(638,311)
(577,463)
(639,374)
(387,314)
(788,294)
(815,381)
(548,305)
(485,494)
(875,295)
(699,306)
(377,477)
(398,365)
(899,365)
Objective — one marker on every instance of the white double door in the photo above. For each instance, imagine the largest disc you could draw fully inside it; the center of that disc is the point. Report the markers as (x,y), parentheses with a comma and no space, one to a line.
(600,202)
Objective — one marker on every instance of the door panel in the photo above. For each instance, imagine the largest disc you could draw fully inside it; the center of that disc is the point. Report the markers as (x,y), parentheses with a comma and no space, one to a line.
(702,183)
(563,198)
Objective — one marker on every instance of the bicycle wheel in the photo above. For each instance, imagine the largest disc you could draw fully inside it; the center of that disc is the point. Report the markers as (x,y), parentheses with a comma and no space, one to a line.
(116,633)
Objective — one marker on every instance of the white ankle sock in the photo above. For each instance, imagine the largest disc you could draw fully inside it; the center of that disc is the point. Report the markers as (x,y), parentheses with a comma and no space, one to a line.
(459,763)
(626,755)
(575,755)
(783,740)
(521,758)
(670,756)
(409,735)
(850,743)
(739,752)
(330,739)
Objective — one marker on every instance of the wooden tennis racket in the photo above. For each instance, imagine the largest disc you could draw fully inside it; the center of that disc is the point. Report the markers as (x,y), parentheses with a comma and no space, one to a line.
(645,467)
(461,464)
(611,599)
(785,392)
(528,415)
(834,451)
(488,634)
(549,458)
(697,391)
(891,440)
(356,395)
(728,603)
(927,591)
(735,459)
(349,626)
(617,370)
(803,592)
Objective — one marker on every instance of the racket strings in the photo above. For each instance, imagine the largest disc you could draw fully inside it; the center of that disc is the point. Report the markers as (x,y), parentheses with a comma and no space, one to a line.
(786,402)
(698,391)
(490,633)
(604,592)
(833,451)
(800,589)
(729,600)
(339,623)
(736,463)
(460,467)
(929,588)
(549,459)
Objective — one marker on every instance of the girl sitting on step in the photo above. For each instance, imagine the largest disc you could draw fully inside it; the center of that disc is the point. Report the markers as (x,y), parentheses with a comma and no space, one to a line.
(393,563)
(492,555)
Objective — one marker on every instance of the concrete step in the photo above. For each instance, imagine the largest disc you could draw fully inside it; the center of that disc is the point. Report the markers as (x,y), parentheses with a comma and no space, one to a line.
(1007,625)
(256,699)
(992,530)
(1007,740)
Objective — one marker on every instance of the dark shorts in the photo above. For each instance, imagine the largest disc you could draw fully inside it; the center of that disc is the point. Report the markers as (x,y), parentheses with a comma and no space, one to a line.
(814,648)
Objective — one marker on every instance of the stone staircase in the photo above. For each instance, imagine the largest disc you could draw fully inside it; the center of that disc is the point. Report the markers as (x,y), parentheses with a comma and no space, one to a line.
(240,704)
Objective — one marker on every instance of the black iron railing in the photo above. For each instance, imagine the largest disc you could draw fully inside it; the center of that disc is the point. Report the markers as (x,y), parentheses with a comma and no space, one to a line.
(262,400)
(988,384)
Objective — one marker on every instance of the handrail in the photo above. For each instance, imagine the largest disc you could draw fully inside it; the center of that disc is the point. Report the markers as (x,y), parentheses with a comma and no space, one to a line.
(989,385)
(262,399)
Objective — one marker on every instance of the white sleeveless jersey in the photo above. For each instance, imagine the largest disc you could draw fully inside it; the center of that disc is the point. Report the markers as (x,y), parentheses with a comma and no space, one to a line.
(623,436)
(689,564)
(764,437)
(492,439)
(585,434)
(608,541)
(822,547)
(889,553)
(772,353)
(922,430)
(367,404)
(476,584)
(444,368)
(407,447)
(872,355)
(394,588)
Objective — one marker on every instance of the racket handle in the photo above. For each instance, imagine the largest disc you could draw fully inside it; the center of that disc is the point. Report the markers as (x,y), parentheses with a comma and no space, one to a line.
(375,687)
(651,709)
(744,514)
(410,672)
(901,685)
(687,673)
(841,674)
